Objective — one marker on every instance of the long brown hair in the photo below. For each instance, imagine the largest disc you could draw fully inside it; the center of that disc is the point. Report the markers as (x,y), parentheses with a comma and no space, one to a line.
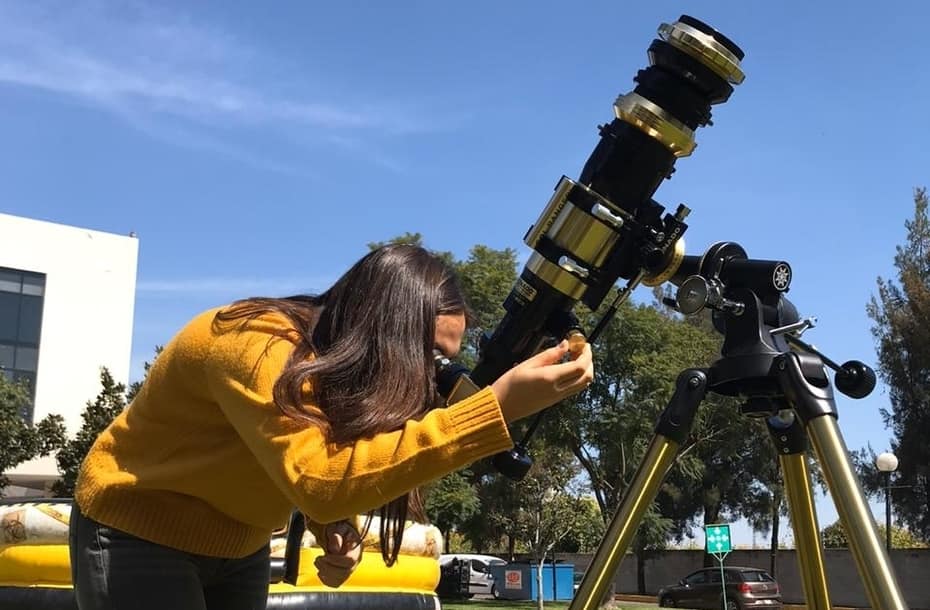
(371,336)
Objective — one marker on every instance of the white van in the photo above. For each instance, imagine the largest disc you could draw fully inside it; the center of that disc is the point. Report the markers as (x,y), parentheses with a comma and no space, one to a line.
(480,582)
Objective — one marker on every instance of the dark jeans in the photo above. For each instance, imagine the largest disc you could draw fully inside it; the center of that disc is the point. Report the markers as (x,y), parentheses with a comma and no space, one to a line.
(113,570)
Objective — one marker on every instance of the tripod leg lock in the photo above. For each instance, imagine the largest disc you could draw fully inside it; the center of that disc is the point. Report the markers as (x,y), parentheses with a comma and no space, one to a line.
(676,420)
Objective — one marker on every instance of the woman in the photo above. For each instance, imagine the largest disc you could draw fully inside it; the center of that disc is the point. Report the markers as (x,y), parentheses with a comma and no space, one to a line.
(321,403)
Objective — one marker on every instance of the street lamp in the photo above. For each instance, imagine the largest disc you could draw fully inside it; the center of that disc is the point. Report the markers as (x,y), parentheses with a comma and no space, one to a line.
(887,462)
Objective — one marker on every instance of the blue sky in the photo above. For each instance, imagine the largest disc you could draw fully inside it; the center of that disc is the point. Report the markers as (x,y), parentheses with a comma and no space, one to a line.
(257,148)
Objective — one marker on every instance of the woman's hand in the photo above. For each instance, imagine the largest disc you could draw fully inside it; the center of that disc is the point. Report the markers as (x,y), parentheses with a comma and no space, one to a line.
(342,552)
(543,380)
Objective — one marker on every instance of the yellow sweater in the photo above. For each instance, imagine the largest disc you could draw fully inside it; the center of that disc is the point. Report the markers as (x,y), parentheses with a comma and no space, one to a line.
(203,461)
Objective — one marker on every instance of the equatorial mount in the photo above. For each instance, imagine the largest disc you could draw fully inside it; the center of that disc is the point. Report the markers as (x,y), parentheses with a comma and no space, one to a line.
(746,298)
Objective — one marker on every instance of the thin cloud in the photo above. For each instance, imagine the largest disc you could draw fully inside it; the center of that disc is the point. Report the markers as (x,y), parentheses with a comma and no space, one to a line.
(199,140)
(142,62)
(356,145)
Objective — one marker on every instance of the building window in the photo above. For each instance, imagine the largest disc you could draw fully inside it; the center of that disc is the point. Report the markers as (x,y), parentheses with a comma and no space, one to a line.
(22,294)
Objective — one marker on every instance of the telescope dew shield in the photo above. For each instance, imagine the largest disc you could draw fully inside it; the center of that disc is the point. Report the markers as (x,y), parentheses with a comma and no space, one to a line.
(605,225)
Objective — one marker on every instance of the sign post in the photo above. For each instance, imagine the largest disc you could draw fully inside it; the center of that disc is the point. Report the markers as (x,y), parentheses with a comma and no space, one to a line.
(717,543)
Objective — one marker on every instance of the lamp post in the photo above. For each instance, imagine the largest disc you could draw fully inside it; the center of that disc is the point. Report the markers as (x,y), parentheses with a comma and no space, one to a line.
(887,462)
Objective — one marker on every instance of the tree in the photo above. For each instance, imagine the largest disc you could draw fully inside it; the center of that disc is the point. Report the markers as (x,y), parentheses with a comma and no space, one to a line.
(487,276)
(136,386)
(764,501)
(450,502)
(495,526)
(901,330)
(97,415)
(588,532)
(19,441)
(834,537)
(550,504)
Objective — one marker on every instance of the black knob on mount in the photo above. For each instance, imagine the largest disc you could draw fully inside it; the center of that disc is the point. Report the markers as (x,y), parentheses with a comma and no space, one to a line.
(513,464)
(855,379)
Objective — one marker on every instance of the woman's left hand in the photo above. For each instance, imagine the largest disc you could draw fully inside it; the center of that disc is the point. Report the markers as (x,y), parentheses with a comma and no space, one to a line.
(342,552)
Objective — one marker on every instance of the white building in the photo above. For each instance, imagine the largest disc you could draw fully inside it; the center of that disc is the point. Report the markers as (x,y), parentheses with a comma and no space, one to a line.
(66,309)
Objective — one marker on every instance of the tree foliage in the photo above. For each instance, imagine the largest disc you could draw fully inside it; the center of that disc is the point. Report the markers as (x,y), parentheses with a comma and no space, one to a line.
(450,502)
(19,441)
(834,537)
(549,504)
(96,416)
(136,386)
(901,329)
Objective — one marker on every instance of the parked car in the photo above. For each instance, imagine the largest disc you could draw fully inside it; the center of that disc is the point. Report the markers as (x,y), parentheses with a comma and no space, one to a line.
(745,588)
(480,582)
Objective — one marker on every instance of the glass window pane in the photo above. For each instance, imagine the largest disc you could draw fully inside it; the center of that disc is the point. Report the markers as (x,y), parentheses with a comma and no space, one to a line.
(30,321)
(27,358)
(6,356)
(34,284)
(696,579)
(10,281)
(9,316)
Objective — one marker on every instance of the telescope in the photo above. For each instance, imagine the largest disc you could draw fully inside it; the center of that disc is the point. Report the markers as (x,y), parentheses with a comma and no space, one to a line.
(605,226)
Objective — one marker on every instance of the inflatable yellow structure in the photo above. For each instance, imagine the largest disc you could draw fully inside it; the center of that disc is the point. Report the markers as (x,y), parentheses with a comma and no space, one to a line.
(35,571)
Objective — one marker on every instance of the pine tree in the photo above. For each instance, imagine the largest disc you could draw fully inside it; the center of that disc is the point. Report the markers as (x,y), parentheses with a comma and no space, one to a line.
(901,315)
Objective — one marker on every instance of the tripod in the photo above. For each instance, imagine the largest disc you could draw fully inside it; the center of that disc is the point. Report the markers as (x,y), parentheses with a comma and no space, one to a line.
(793,392)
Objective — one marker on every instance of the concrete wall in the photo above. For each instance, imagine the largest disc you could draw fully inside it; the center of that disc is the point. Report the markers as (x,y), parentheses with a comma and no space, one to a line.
(911,567)
(87,314)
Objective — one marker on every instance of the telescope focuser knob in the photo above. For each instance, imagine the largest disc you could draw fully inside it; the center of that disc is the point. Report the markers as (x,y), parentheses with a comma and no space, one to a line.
(697,292)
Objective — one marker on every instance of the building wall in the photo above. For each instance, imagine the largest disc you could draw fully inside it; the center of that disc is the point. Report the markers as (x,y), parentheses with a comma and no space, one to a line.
(86,319)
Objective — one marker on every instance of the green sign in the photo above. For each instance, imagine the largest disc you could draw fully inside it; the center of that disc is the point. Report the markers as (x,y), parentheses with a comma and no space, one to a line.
(717,538)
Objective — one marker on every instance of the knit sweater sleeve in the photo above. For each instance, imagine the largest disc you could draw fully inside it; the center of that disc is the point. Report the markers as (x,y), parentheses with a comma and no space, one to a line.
(328,482)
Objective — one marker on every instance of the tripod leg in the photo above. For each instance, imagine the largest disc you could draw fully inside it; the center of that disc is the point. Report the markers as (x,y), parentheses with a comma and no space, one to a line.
(791,443)
(866,546)
(672,429)
(813,401)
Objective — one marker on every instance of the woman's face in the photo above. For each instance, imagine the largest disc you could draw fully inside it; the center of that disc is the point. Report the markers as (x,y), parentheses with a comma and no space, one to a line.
(450,328)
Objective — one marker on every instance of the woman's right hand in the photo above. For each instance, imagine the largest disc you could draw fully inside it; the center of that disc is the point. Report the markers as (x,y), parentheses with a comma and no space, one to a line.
(543,380)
